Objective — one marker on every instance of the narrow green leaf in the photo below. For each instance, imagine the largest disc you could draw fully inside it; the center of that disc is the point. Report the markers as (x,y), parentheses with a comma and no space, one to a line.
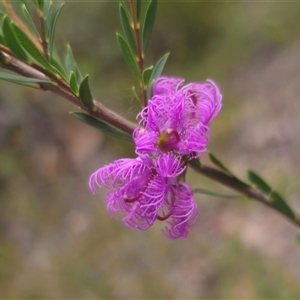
(58,73)
(147,75)
(196,163)
(156,73)
(259,182)
(18,7)
(52,28)
(39,4)
(129,56)
(103,126)
(210,193)
(73,83)
(56,63)
(48,13)
(20,79)
(29,21)
(138,8)
(85,93)
(280,205)
(36,3)
(218,163)
(2,40)
(149,23)
(71,64)
(125,21)
(125,6)
(30,47)
(11,40)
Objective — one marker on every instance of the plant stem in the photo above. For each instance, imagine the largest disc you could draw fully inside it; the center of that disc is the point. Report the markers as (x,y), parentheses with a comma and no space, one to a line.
(43,42)
(237,185)
(140,55)
(101,112)
(105,114)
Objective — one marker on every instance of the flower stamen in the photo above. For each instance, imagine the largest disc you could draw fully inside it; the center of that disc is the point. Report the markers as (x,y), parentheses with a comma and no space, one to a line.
(168,139)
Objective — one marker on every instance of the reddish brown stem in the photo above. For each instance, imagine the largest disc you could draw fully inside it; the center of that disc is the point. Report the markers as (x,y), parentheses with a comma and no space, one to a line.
(100,111)
(43,42)
(140,55)
(237,185)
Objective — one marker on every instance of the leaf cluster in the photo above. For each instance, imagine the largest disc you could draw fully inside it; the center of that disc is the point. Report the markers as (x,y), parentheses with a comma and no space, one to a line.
(27,34)
(276,201)
(133,43)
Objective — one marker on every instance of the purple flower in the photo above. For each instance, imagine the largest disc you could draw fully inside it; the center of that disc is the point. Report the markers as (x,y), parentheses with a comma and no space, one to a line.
(177,118)
(184,212)
(145,190)
(173,128)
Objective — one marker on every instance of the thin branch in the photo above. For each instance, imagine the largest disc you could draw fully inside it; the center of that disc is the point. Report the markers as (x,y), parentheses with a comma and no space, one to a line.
(140,55)
(101,112)
(55,78)
(44,42)
(237,185)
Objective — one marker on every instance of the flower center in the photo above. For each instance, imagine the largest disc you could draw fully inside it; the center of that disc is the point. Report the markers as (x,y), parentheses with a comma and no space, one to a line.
(168,139)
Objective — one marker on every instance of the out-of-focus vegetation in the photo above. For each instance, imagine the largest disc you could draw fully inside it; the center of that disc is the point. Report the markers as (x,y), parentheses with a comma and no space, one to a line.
(56,240)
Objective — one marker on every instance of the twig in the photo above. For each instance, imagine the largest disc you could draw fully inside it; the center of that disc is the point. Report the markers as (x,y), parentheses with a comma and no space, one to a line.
(140,55)
(237,185)
(44,42)
(101,112)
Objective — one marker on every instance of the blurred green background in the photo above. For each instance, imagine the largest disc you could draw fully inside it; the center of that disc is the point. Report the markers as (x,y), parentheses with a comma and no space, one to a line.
(56,240)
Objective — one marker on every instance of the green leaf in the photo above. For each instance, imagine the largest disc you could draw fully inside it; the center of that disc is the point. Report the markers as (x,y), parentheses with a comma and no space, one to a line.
(29,21)
(103,126)
(149,23)
(210,193)
(56,63)
(2,41)
(129,56)
(58,73)
(147,75)
(218,163)
(127,28)
(48,13)
(52,29)
(156,73)
(73,83)
(280,205)
(125,6)
(71,64)
(18,7)
(259,182)
(30,47)
(138,7)
(196,163)
(11,40)
(85,93)
(20,79)
(39,4)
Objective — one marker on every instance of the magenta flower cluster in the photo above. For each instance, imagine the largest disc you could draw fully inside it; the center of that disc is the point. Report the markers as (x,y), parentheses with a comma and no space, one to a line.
(173,129)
